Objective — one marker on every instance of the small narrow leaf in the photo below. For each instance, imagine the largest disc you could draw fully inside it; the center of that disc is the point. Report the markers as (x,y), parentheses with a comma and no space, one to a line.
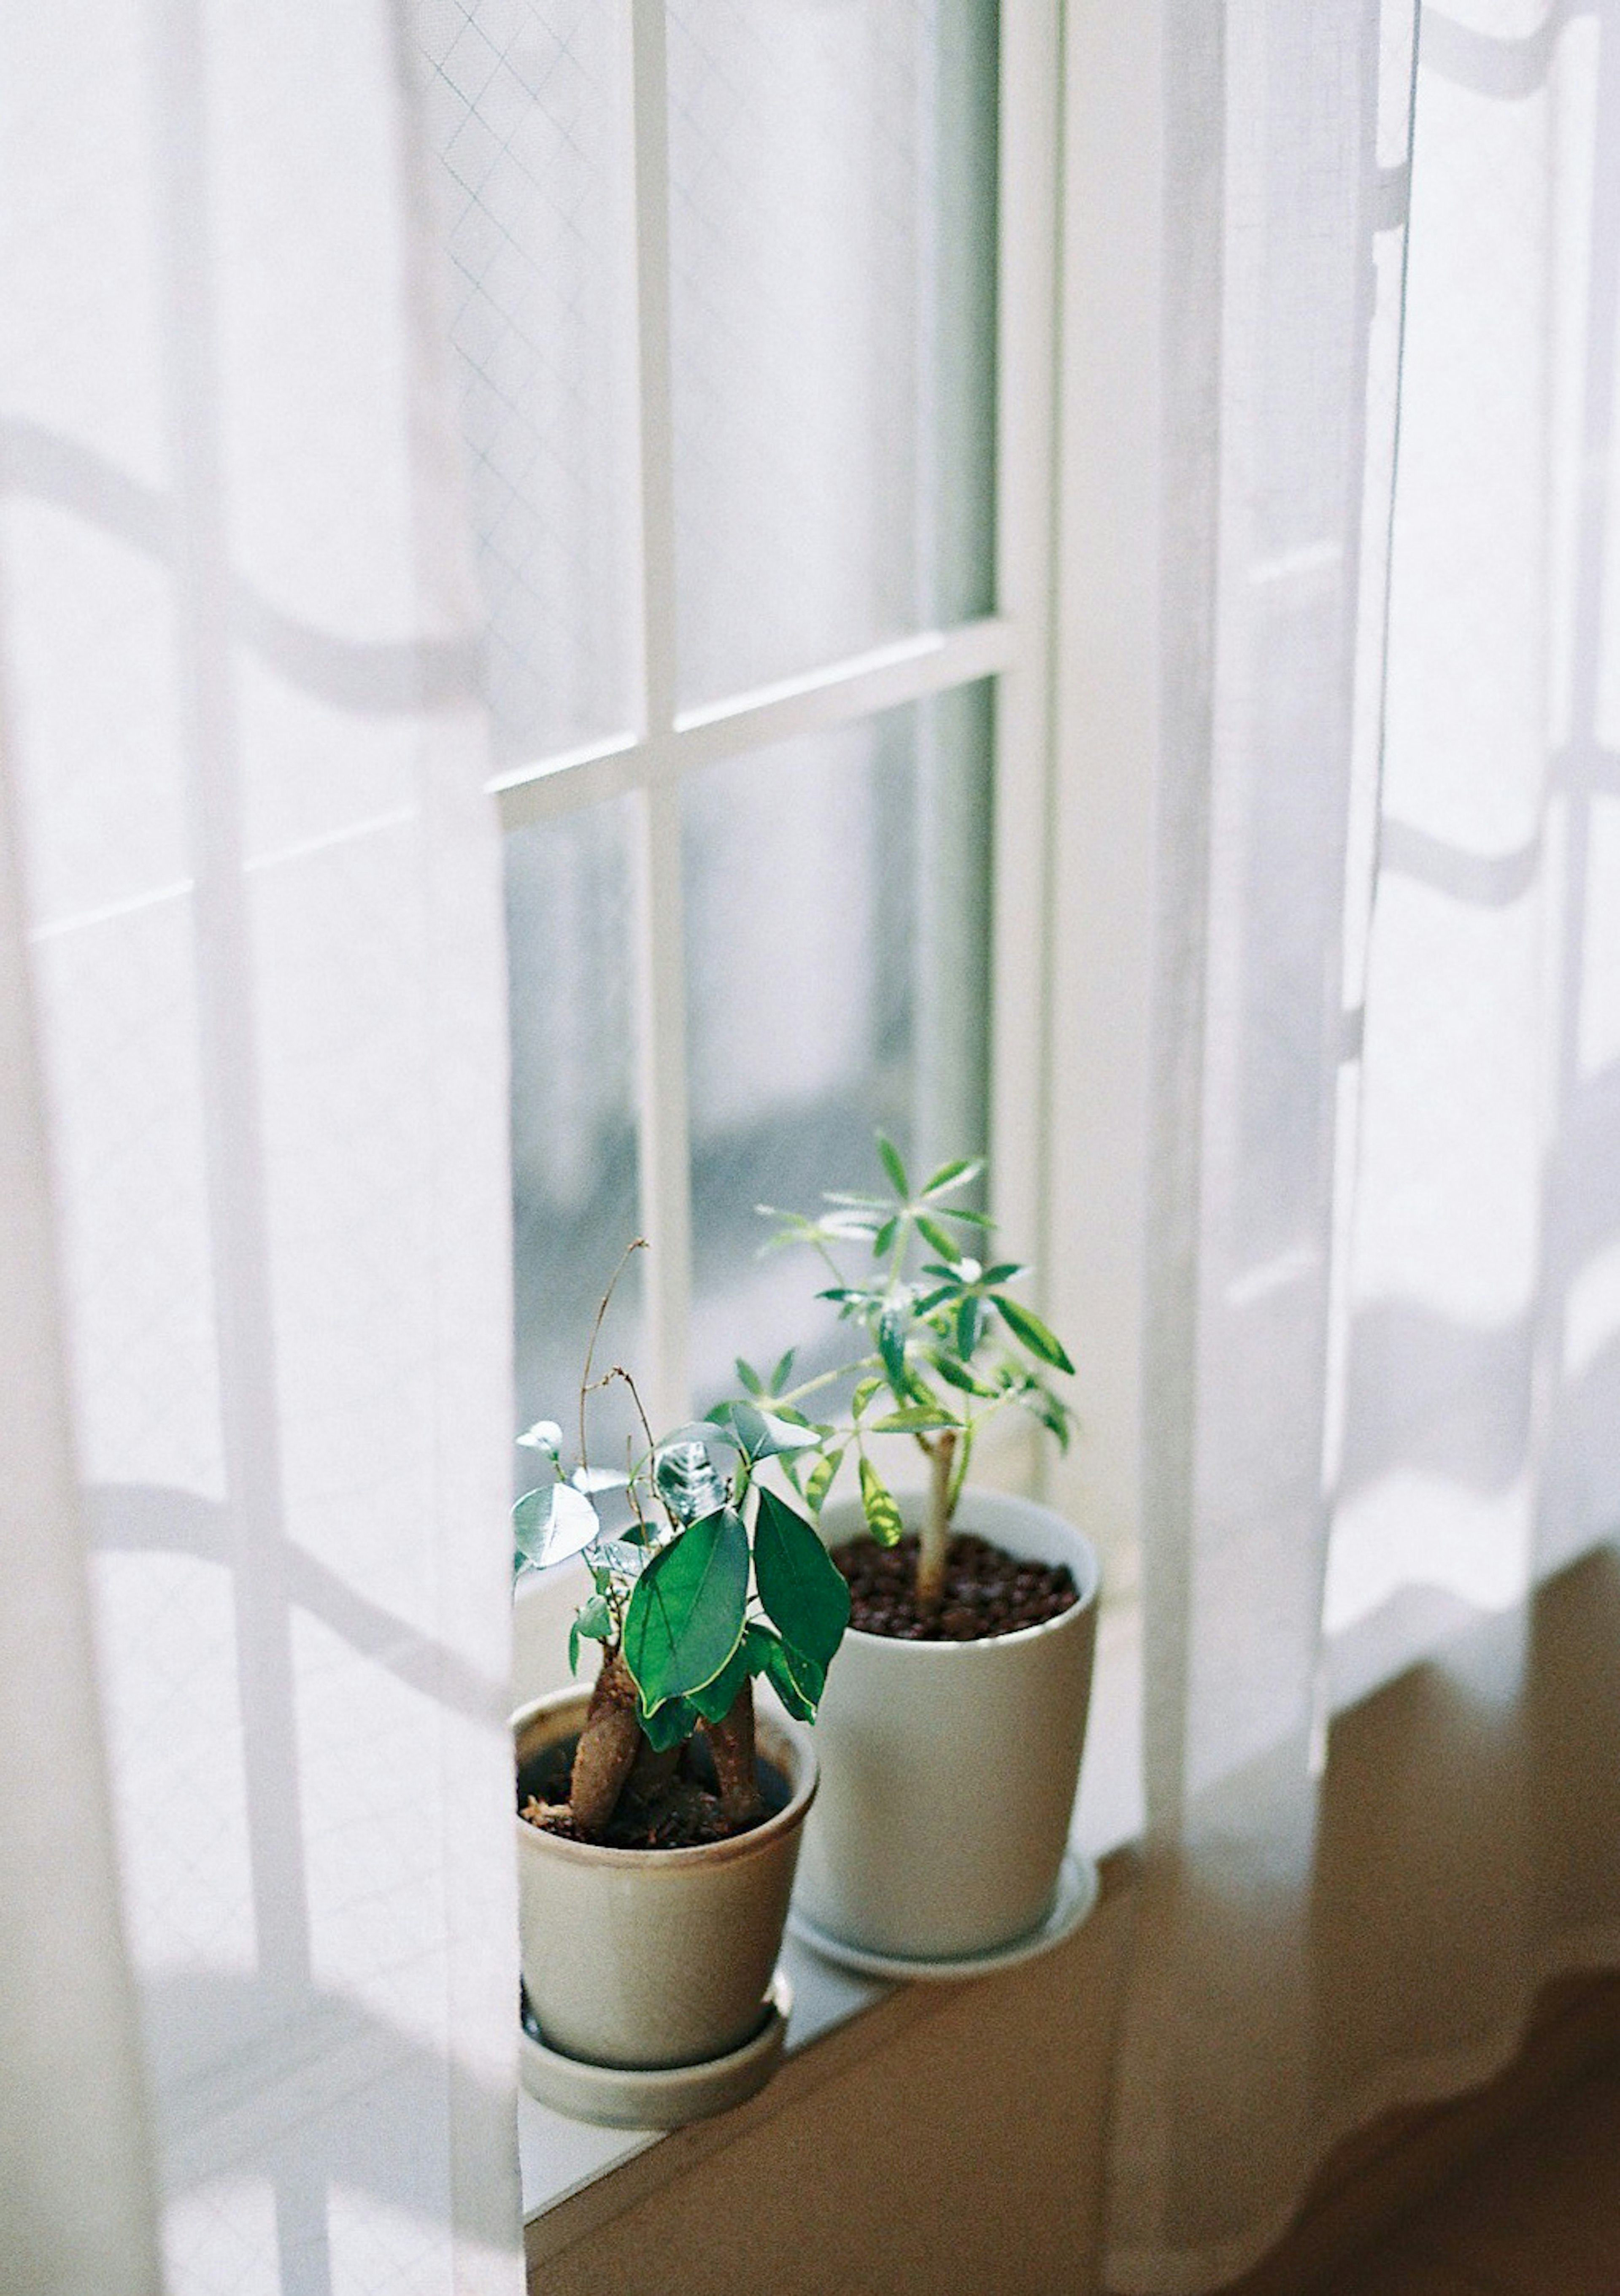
(863,1394)
(783,1371)
(802,1588)
(892,1166)
(1005,1271)
(877,1504)
(954,1175)
(916,1419)
(686,1615)
(821,1479)
(969,1219)
(936,1237)
(892,1346)
(750,1378)
(1029,1329)
(959,1376)
(970,1320)
(884,1240)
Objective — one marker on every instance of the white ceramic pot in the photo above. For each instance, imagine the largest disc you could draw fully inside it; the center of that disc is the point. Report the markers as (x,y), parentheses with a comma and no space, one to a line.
(651,1959)
(949,1770)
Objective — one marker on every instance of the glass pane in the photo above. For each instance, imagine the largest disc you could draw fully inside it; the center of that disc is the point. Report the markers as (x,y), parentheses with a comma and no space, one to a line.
(527,109)
(832,289)
(838,943)
(573,1132)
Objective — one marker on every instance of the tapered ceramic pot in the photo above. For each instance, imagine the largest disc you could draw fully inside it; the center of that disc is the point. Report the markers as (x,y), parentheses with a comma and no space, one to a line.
(646,1959)
(949,1770)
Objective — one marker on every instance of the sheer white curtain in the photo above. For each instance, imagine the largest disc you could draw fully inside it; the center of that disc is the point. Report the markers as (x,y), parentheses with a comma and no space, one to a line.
(1383,1614)
(256,938)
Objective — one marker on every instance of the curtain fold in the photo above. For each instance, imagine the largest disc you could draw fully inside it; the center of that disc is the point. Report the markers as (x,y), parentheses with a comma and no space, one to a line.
(1384,1280)
(261,889)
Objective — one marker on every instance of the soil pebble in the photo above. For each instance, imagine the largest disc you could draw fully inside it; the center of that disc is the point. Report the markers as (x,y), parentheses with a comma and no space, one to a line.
(987,1591)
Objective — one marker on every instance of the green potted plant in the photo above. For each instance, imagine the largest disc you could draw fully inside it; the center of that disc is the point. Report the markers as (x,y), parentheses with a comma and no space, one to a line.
(951,1742)
(659,1818)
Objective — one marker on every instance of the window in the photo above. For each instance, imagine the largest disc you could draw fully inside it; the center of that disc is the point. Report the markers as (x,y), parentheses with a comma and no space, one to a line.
(754,325)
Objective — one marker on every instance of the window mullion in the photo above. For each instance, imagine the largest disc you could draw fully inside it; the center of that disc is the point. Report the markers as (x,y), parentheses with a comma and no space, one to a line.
(662,1140)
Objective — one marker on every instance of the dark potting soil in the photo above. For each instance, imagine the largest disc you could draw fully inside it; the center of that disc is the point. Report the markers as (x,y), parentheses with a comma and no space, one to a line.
(987,1590)
(684,1818)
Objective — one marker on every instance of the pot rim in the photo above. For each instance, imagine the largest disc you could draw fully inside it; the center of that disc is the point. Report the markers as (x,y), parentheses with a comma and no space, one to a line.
(758,1839)
(1087,1580)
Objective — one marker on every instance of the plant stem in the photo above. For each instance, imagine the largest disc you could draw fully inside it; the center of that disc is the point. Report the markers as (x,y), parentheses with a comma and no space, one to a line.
(935,1537)
(636,1243)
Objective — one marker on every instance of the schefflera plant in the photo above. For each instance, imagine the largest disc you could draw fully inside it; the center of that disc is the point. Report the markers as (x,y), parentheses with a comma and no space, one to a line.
(948,1346)
(713,1579)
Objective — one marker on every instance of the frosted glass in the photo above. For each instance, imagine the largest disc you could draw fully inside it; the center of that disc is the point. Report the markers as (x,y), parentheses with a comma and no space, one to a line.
(527,107)
(832,235)
(573,1139)
(837,895)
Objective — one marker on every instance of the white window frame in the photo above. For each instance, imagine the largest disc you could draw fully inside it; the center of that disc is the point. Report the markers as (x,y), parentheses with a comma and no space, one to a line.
(1012,645)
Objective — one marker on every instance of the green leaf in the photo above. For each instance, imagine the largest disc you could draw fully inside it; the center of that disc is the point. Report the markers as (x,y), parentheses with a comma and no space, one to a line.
(863,1394)
(892,1346)
(716,1699)
(936,1237)
(796,1678)
(916,1419)
(765,1435)
(549,1525)
(821,1478)
(864,1204)
(884,1240)
(892,1166)
(686,1615)
(801,1586)
(969,1219)
(593,1622)
(779,1377)
(970,1318)
(1004,1272)
(877,1504)
(1028,1328)
(960,1376)
(750,1378)
(671,1725)
(954,1174)
(599,1479)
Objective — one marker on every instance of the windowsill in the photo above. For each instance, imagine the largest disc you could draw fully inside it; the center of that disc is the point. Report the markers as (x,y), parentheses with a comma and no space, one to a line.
(560,2157)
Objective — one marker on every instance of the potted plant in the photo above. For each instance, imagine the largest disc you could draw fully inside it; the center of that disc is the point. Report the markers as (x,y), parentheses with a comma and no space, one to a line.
(659,1819)
(951,1742)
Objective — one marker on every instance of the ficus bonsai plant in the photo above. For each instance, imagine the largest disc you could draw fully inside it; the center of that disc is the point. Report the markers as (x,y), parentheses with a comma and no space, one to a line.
(710,1579)
(947,1345)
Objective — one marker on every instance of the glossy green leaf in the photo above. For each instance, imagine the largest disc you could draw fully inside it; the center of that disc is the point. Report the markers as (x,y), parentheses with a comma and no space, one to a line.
(877,1505)
(598,1479)
(671,1725)
(593,1622)
(686,1617)
(961,1376)
(1005,1271)
(1028,1328)
(803,1591)
(970,1322)
(716,1699)
(896,1170)
(549,1525)
(766,1434)
(796,1678)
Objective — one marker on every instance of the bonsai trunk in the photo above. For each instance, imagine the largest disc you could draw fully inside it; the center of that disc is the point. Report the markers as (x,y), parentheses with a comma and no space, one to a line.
(731,1742)
(608,1746)
(935,1537)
